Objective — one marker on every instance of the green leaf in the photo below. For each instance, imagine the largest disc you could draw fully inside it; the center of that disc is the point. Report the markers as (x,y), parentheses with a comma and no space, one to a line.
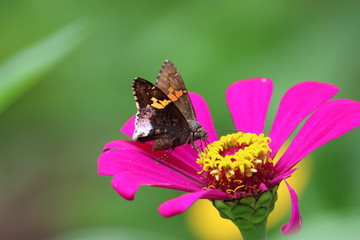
(29,65)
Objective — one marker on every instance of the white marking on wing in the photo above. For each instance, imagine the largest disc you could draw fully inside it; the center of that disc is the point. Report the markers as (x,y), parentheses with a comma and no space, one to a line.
(142,125)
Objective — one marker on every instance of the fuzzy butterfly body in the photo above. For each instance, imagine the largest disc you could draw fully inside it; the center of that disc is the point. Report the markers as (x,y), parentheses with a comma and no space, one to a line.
(165,113)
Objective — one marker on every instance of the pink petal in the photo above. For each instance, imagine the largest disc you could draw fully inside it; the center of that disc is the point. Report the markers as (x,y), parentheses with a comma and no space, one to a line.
(183,158)
(129,127)
(203,115)
(248,102)
(181,204)
(294,224)
(282,176)
(125,144)
(127,183)
(263,187)
(120,155)
(117,160)
(297,103)
(330,121)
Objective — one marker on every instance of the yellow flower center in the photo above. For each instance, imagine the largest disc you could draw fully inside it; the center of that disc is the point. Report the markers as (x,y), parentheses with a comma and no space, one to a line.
(237,163)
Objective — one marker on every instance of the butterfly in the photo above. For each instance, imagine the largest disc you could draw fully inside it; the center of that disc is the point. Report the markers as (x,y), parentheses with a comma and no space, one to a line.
(165,114)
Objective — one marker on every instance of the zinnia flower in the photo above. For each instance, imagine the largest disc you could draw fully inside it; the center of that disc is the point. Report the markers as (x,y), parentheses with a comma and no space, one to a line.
(237,166)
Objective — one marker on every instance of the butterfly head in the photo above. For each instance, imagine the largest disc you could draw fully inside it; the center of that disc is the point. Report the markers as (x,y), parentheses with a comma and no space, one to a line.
(199,133)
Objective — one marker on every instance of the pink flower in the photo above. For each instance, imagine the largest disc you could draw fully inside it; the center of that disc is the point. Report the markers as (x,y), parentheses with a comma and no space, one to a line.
(132,163)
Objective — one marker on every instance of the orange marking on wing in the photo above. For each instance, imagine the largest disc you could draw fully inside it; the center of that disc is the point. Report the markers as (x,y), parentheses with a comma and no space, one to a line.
(172,97)
(171,90)
(179,93)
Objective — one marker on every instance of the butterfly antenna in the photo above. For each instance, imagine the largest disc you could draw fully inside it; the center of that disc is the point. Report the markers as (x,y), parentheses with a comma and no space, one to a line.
(226,130)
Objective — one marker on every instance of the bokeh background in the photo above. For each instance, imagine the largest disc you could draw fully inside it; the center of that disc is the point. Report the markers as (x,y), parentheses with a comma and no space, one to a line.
(66,69)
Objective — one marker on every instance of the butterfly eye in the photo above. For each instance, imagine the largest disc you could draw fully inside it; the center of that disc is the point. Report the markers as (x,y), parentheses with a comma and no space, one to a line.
(197,135)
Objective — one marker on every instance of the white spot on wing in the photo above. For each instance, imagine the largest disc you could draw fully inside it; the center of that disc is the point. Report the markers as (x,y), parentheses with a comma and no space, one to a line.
(143,124)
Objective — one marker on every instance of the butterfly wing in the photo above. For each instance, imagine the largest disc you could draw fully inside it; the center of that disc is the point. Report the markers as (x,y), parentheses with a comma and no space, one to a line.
(170,82)
(158,119)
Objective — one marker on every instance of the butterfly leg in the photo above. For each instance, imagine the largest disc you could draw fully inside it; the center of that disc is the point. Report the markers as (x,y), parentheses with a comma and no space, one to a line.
(165,156)
(196,147)
(203,144)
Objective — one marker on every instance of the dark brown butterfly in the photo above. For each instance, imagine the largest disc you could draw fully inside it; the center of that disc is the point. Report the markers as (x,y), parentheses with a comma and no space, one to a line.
(165,113)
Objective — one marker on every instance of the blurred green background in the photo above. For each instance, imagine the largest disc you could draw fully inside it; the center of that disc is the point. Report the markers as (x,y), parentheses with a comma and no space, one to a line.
(66,69)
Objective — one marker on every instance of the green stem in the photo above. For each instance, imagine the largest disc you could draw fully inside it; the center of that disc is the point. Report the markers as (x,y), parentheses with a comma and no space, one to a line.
(257,232)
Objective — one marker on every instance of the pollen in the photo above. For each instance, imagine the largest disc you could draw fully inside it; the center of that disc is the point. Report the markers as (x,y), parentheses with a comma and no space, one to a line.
(237,163)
